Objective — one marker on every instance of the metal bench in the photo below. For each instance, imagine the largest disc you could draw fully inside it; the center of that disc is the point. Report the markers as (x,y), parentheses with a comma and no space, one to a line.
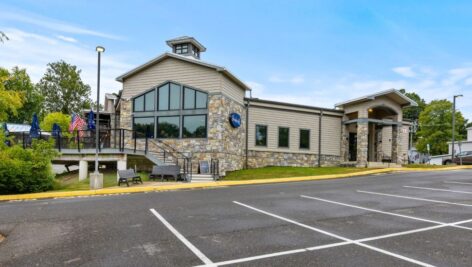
(165,170)
(125,175)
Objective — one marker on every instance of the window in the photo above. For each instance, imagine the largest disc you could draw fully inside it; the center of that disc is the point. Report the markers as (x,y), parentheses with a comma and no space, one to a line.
(138,104)
(194,126)
(284,136)
(144,127)
(181,49)
(178,112)
(168,127)
(261,135)
(304,139)
(164,97)
(194,99)
(189,98)
(174,96)
(195,51)
(149,101)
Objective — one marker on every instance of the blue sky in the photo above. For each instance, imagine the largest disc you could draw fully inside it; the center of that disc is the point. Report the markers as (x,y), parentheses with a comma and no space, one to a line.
(308,52)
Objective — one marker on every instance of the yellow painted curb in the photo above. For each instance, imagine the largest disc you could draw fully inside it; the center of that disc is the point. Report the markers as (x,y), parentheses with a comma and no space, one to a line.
(143,189)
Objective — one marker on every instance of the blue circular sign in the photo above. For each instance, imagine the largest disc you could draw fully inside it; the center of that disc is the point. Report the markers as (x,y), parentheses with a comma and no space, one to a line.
(235,120)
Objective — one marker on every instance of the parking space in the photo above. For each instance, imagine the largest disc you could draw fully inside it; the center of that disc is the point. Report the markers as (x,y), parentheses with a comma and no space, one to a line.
(401,224)
(389,220)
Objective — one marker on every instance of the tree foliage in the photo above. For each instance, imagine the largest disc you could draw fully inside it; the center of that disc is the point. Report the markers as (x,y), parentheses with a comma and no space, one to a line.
(63,89)
(436,127)
(3,36)
(19,81)
(62,120)
(10,101)
(413,113)
(26,170)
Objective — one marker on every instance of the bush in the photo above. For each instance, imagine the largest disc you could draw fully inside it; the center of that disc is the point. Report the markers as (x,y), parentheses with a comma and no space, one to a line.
(26,170)
(62,120)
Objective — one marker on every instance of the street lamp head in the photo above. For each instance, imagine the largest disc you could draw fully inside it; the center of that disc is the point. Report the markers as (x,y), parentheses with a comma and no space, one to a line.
(456,96)
(100,49)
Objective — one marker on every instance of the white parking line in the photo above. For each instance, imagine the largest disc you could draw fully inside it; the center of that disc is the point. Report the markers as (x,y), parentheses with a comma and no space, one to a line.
(295,251)
(438,189)
(382,212)
(184,240)
(335,236)
(454,182)
(415,198)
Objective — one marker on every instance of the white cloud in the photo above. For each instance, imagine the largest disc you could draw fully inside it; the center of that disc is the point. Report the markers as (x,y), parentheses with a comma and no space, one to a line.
(405,71)
(52,24)
(297,79)
(34,51)
(66,39)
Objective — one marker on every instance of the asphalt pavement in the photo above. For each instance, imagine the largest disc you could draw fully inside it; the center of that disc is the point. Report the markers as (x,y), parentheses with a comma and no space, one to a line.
(401,219)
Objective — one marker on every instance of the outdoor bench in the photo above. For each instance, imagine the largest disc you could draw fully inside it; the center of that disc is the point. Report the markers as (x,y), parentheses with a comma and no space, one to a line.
(125,175)
(165,170)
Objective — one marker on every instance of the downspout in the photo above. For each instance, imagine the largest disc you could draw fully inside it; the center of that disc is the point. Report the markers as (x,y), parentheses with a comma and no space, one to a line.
(247,129)
(319,138)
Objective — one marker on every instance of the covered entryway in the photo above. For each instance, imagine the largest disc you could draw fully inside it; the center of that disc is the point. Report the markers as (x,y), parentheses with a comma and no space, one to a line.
(374,133)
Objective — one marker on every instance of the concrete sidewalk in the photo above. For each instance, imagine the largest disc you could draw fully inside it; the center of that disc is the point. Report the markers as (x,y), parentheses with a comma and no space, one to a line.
(186,186)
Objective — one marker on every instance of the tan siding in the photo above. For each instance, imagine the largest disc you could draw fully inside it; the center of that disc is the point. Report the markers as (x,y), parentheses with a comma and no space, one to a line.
(232,90)
(200,77)
(331,135)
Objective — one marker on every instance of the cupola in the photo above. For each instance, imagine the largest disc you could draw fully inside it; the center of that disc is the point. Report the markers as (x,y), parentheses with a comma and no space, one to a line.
(186,46)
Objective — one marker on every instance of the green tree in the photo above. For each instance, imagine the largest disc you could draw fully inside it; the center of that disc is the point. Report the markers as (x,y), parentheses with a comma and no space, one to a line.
(62,120)
(10,101)
(63,89)
(413,113)
(3,36)
(436,127)
(19,81)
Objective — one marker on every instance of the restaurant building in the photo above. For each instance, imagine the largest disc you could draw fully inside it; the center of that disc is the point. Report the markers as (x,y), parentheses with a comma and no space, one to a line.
(202,109)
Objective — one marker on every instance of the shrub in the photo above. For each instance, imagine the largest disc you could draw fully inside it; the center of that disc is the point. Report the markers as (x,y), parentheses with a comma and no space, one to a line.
(26,170)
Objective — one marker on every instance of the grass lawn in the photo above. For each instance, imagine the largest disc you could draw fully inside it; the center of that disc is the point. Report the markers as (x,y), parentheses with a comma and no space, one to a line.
(283,172)
(70,181)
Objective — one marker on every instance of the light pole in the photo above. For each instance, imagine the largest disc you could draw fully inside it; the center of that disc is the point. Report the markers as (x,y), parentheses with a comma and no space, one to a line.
(454,124)
(96,179)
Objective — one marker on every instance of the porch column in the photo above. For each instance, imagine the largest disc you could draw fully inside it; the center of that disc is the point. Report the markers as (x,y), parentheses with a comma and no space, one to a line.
(83,170)
(398,153)
(362,143)
(344,143)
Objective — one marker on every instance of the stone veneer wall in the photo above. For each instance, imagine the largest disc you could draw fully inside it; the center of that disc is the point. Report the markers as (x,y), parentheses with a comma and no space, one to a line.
(258,159)
(223,141)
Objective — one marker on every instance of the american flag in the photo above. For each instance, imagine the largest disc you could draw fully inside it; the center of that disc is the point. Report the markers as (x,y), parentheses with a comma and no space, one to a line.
(77,123)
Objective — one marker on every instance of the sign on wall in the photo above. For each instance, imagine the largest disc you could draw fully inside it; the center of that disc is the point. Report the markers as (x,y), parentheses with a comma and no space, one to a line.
(235,120)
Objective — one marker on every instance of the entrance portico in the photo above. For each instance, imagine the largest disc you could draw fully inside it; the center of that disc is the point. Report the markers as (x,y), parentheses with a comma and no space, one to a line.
(373,129)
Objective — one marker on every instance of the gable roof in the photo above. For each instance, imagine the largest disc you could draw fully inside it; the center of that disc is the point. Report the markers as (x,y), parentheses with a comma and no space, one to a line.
(192,60)
(394,94)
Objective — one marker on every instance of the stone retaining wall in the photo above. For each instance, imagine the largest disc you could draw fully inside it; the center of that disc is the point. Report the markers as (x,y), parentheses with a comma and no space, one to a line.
(258,159)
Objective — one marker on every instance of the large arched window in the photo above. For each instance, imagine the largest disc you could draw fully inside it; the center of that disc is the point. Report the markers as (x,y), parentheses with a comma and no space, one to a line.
(171,110)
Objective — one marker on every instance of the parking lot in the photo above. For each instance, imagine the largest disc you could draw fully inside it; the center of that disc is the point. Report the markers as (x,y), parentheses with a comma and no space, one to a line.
(402,219)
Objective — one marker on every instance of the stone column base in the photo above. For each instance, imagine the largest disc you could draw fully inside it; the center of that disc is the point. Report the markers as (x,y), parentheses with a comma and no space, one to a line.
(96,180)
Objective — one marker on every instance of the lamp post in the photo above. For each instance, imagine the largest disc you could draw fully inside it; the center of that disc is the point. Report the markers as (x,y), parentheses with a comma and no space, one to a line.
(96,179)
(454,124)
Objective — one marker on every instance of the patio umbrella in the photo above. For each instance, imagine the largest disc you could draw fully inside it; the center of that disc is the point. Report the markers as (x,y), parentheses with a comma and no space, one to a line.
(34,131)
(56,130)
(91,121)
(5,129)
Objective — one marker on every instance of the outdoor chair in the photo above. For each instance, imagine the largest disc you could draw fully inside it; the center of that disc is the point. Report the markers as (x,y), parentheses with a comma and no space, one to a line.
(125,175)
(165,170)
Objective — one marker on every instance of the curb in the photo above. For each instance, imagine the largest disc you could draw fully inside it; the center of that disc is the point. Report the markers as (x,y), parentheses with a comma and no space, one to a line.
(184,186)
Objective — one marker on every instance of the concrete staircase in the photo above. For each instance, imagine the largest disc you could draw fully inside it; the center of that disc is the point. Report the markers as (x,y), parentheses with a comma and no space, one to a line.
(202,178)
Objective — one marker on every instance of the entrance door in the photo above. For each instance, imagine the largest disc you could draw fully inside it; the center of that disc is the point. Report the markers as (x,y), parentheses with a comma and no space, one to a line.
(352,146)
